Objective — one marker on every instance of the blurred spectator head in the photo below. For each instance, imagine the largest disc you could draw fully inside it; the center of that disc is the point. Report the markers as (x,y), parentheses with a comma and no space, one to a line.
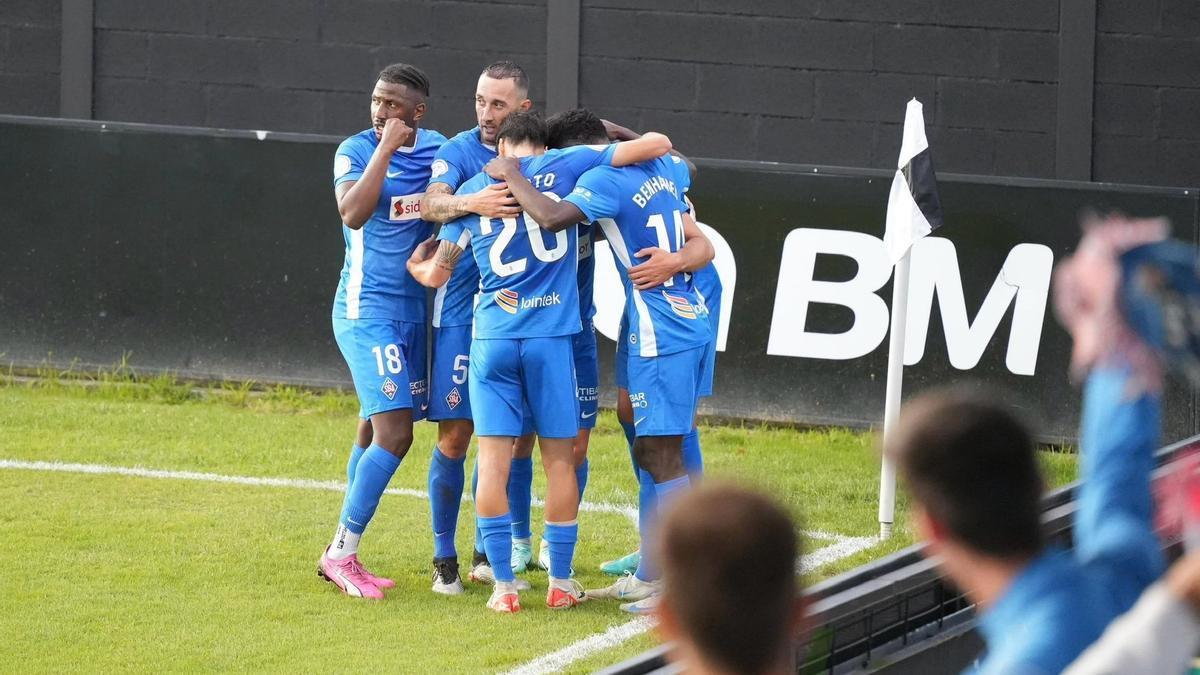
(971,470)
(730,594)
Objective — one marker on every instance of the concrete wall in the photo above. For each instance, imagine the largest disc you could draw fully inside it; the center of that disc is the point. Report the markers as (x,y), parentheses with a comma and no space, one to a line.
(810,81)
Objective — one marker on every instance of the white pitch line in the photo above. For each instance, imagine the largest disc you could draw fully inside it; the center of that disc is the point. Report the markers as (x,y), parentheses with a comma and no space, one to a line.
(617,635)
(841,548)
(593,644)
(301,483)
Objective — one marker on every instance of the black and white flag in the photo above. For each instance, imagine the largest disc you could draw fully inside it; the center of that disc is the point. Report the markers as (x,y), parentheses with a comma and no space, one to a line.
(913,206)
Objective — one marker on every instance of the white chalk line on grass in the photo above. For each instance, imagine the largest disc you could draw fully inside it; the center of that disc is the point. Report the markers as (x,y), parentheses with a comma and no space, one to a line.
(554,662)
(842,546)
(301,483)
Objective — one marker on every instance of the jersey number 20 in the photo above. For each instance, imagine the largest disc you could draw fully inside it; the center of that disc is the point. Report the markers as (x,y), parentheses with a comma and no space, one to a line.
(536,243)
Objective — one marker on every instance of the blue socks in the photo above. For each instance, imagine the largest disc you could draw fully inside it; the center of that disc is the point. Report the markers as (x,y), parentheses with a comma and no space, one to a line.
(371,476)
(647,505)
(446,478)
(356,454)
(475,491)
(497,542)
(520,487)
(581,476)
(562,538)
(665,492)
(693,462)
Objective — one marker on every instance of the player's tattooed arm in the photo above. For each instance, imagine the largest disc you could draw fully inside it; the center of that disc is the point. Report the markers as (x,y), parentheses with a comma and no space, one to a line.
(550,214)
(432,262)
(439,204)
(659,265)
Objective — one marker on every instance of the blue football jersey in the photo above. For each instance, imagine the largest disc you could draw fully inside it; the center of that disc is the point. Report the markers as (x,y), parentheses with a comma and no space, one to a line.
(528,276)
(586,276)
(459,159)
(375,283)
(639,207)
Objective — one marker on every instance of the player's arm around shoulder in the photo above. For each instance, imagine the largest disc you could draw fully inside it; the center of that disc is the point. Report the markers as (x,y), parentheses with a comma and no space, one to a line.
(650,145)
(439,204)
(550,214)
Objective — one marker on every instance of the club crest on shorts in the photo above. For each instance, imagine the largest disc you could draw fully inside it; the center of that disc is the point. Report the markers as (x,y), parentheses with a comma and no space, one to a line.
(453,398)
(389,388)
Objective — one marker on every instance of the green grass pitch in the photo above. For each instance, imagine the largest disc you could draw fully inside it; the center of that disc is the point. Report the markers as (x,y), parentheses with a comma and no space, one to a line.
(112,573)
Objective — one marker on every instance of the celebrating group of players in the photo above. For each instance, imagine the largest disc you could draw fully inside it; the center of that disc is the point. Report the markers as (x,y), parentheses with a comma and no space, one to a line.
(513,354)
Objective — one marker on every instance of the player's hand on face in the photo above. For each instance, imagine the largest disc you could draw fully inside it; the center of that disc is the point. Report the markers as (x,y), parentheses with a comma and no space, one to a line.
(499,167)
(424,250)
(395,134)
(494,201)
(659,266)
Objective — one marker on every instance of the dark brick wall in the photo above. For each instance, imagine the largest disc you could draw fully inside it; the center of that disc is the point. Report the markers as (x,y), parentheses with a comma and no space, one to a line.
(826,81)
(29,56)
(300,65)
(1147,127)
(811,81)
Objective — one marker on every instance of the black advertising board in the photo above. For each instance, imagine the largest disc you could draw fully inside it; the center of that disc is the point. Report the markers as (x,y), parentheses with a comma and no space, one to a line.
(216,254)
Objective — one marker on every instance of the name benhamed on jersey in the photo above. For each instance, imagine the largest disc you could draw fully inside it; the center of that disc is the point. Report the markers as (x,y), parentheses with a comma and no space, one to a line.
(652,187)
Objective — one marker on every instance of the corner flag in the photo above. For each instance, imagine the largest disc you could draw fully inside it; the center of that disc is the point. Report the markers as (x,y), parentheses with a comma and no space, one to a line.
(914,209)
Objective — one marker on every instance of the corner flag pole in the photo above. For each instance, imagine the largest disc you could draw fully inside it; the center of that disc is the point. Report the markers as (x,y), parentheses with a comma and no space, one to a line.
(914,210)
(891,406)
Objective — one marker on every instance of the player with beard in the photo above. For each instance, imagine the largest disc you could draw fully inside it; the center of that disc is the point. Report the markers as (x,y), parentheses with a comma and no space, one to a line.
(502,88)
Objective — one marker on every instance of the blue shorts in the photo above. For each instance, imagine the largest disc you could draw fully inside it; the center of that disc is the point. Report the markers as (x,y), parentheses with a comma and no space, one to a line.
(587,375)
(522,380)
(449,393)
(387,363)
(663,391)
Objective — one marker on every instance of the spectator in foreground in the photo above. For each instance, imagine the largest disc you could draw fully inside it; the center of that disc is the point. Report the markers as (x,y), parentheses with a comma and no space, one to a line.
(971,470)
(1159,635)
(731,600)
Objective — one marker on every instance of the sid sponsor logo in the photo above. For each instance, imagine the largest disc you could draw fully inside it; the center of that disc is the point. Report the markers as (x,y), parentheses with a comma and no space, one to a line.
(405,207)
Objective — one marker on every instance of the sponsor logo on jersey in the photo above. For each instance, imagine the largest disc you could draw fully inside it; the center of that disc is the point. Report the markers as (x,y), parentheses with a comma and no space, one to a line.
(586,394)
(508,300)
(681,306)
(583,192)
(585,247)
(418,388)
(439,167)
(511,302)
(453,398)
(405,207)
(389,388)
(638,400)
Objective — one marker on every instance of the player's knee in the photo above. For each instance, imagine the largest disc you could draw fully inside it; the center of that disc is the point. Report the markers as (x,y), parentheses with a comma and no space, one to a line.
(394,435)
(365,433)
(454,438)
